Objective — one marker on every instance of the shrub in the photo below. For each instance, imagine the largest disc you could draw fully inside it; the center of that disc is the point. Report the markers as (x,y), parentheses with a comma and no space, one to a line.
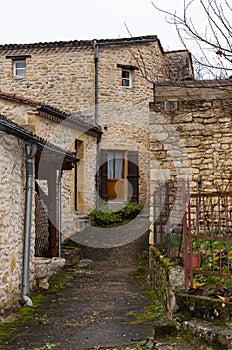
(105,216)
(130,210)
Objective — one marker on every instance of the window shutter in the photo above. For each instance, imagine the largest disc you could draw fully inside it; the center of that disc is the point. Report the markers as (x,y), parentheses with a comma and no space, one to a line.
(103,193)
(133,176)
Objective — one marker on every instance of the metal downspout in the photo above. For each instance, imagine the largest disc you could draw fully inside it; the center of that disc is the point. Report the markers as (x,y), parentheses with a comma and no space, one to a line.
(31,150)
(96,81)
(59,212)
(96,56)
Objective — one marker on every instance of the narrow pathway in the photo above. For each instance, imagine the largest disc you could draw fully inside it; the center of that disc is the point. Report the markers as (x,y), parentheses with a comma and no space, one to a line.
(94,310)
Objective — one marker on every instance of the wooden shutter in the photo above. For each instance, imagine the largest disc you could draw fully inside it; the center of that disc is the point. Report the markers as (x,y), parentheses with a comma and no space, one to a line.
(103,192)
(133,175)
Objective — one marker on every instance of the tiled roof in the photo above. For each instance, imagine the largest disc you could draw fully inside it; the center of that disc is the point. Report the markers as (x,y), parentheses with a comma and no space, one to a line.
(18,131)
(145,38)
(76,119)
(54,44)
(74,43)
(18,98)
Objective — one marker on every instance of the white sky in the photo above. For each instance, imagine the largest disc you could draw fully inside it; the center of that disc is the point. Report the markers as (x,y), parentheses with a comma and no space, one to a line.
(29,21)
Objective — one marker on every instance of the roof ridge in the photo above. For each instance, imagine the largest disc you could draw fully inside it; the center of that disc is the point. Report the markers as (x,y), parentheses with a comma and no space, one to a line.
(73,43)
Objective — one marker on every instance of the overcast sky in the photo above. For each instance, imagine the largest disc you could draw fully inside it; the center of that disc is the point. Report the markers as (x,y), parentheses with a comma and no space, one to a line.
(29,21)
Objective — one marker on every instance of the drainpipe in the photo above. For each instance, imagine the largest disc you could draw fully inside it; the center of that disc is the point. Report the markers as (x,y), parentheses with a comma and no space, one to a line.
(96,81)
(96,56)
(59,211)
(31,150)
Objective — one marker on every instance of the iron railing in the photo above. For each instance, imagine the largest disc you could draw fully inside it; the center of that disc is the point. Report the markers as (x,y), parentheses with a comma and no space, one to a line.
(207,230)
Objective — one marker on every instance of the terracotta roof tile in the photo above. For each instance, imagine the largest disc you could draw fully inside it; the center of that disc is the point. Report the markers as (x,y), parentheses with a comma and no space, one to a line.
(74,43)
(78,119)
(13,128)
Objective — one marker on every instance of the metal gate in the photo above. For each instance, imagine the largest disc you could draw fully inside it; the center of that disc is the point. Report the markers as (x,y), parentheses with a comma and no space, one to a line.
(207,230)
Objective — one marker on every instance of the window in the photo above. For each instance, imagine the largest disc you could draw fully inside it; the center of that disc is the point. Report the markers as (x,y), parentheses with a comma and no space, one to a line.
(19,65)
(118,176)
(19,68)
(127,72)
(115,165)
(126,78)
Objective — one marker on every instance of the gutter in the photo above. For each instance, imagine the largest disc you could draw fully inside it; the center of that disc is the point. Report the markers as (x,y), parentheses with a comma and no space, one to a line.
(67,118)
(96,80)
(31,150)
(127,42)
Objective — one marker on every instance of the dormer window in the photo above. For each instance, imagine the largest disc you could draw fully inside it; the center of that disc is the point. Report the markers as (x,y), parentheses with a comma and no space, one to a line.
(19,65)
(127,75)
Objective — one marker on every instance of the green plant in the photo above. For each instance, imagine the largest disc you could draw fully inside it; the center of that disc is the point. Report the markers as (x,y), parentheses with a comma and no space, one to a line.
(130,210)
(47,346)
(214,248)
(105,216)
(152,311)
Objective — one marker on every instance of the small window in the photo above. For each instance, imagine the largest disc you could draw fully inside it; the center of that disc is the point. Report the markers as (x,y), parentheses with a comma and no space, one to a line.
(126,78)
(19,68)
(115,165)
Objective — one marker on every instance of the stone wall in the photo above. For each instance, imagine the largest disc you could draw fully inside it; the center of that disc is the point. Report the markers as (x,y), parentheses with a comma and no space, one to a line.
(166,279)
(60,76)
(11,224)
(63,136)
(179,65)
(190,138)
(123,111)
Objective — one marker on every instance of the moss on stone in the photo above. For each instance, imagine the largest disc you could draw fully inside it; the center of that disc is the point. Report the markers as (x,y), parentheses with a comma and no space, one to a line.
(21,315)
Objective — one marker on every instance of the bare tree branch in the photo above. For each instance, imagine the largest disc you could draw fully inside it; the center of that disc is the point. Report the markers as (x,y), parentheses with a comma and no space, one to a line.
(215,43)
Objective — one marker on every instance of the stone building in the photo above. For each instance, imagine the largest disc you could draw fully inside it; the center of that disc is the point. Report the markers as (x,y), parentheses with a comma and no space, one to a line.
(88,97)
(20,151)
(191,138)
(108,80)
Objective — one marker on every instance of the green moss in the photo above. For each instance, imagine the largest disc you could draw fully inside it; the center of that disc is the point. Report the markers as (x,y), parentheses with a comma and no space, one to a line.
(152,311)
(70,247)
(22,315)
(25,313)
(57,282)
(142,272)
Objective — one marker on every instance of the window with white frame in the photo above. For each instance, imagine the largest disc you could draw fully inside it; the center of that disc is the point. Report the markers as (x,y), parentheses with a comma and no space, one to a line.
(18,65)
(126,77)
(19,68)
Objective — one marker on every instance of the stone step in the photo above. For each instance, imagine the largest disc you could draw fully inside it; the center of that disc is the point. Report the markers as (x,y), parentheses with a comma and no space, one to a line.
(191,334)
(212,334)
(174,345)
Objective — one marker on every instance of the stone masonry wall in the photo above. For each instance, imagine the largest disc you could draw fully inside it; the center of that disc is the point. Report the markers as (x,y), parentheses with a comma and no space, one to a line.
(123,111)
(191,139)
(11,224)
(62,77)
(62,136)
